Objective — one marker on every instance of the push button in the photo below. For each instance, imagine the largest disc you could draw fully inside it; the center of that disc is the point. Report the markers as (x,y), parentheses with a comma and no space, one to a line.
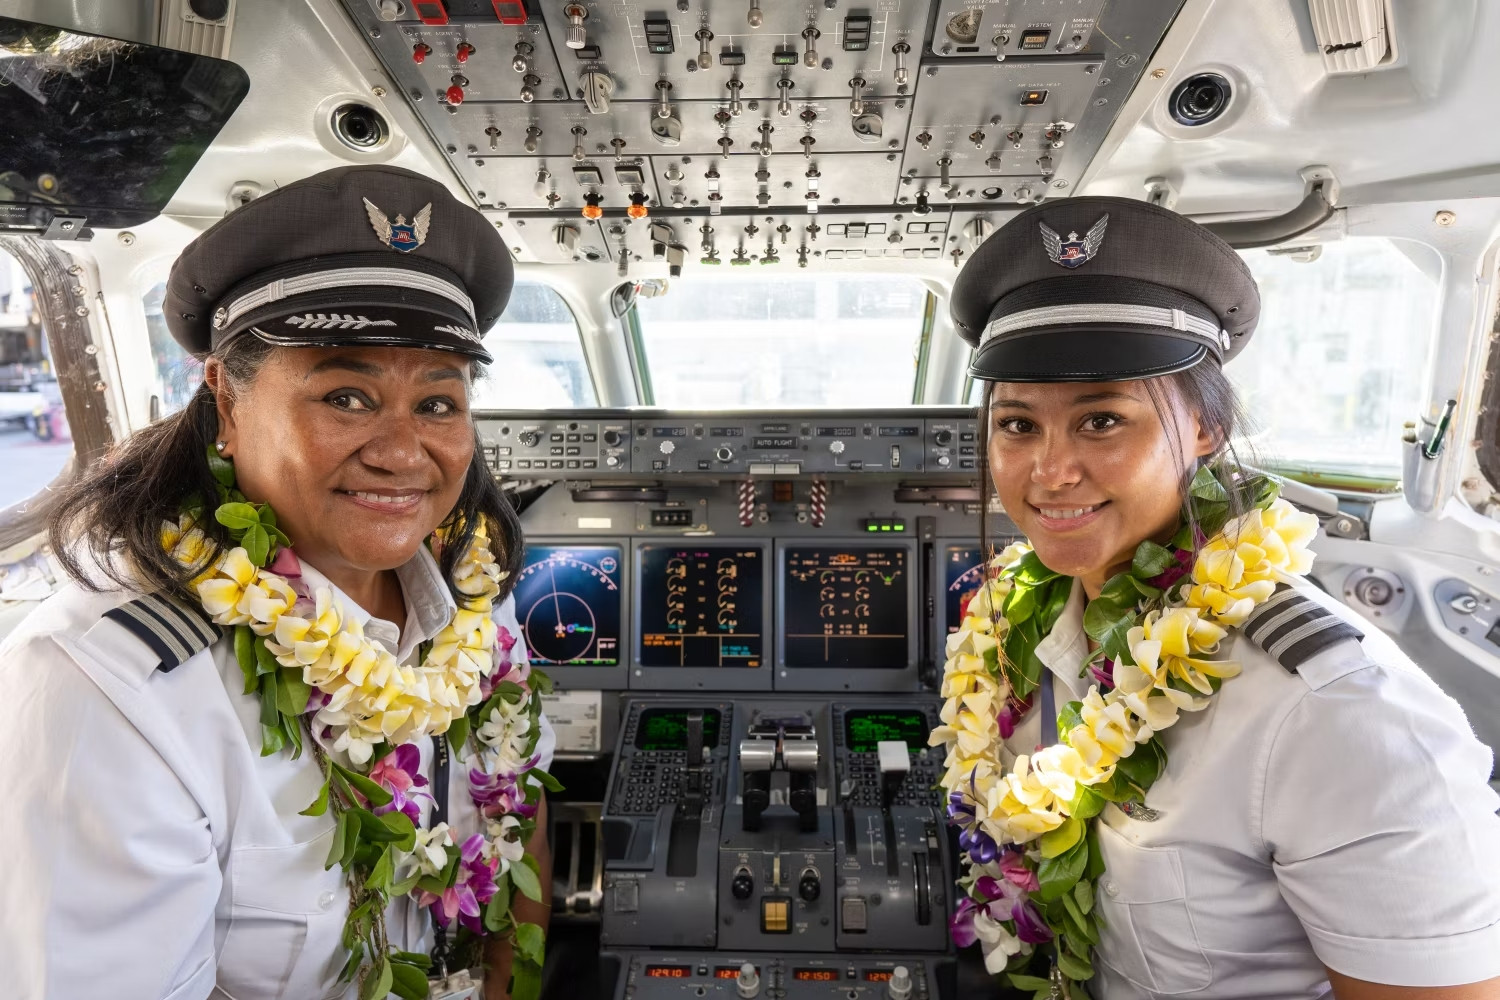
(775,916)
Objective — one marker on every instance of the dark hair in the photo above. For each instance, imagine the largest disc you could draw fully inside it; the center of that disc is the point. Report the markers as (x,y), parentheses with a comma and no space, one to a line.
(1203,389)
(113,514)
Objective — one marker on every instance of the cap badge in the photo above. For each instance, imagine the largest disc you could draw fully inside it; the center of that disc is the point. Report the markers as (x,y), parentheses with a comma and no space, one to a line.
(221,318)
(400,235)
(1072,252)
(459,331)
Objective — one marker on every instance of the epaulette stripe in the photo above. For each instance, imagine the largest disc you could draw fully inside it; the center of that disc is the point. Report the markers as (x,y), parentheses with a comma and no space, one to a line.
(1304,614)
(1292,628)
(1300,652)
(1284,609)
(1260,614)
(173,631)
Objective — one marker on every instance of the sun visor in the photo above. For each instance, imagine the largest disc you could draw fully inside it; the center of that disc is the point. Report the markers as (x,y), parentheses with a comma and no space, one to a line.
(98,133)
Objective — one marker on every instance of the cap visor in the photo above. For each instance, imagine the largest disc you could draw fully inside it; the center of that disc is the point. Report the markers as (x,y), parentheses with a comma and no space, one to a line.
(370,325)
(1092,355)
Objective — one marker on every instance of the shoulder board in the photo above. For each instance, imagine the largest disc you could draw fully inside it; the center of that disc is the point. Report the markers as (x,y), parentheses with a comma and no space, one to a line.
(1293,628)
(174,629)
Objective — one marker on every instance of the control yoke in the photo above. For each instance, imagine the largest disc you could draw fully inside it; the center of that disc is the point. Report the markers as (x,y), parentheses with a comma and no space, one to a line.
(775,747)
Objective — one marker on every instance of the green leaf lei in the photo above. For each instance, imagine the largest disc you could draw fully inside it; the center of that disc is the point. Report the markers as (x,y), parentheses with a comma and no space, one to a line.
(370,847)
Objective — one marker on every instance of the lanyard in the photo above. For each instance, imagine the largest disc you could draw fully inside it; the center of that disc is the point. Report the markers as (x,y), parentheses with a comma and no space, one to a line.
(1049,711)
(439,815)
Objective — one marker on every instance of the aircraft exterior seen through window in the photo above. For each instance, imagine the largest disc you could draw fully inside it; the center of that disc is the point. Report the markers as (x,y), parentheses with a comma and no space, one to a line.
(710,641)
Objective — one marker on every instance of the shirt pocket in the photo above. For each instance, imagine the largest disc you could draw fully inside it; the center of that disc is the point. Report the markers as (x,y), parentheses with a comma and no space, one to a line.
(1147,933)
(285,936)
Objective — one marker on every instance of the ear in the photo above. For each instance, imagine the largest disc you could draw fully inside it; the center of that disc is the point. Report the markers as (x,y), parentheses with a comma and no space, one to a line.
(218,381)
(1206,441)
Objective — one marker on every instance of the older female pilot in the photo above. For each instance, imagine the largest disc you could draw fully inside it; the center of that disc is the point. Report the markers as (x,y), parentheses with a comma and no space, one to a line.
(157,841)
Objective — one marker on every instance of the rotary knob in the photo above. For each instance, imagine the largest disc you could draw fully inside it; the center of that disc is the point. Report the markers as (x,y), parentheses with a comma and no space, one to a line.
(747,983)
(809,888)
(612,461)
(667,447)
(944,461)
(612,438)
(742,885)
(530,438)
(724,453)
(837,447)
(943,438)
(898,987)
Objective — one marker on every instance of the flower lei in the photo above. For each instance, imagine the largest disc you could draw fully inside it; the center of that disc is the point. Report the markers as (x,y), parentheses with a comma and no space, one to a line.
(314,670)
(1030,852)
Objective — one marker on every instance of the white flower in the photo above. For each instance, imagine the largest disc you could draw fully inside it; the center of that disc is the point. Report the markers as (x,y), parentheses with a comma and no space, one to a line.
(503,841)
(997,943)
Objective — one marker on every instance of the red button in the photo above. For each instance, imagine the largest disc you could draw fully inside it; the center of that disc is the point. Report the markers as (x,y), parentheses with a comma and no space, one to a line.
(455,95)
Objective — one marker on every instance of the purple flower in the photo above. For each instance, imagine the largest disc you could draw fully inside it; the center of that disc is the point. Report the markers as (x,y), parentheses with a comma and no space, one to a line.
(1103,674)
(398,772)
(961,925)
(1030,927)
(285,564)
(500,794)
(473,886)
(1007,718)
(1172,574)
(1013,867)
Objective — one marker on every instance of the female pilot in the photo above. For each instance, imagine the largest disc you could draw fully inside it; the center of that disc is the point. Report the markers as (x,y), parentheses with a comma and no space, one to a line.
(279,739)
(1185,770)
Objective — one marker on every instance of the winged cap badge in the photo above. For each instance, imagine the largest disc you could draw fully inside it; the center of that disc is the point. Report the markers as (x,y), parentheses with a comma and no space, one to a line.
(1072,252)
(400,235)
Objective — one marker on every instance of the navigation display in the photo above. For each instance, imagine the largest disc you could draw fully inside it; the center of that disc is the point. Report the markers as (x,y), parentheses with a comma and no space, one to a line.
(865,729)
(963,571)
(701,605)
(568,604)
(666,729)
(846,606)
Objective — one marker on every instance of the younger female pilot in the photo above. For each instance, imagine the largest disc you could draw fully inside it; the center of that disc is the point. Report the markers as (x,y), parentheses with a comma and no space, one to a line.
(169,836)
(1321,814)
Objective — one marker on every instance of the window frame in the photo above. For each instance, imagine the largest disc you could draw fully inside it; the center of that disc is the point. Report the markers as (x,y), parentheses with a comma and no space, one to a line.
(588,362)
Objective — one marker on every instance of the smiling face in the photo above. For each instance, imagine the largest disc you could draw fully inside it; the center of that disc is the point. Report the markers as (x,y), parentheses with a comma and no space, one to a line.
(1088,470)
(362,452)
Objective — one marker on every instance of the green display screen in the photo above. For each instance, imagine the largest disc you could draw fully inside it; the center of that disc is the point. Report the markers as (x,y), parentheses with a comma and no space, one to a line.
(666,729)
(865,728)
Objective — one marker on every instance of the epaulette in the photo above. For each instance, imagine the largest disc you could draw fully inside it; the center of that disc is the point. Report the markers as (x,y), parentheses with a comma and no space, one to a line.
(1293,628)
(174,629)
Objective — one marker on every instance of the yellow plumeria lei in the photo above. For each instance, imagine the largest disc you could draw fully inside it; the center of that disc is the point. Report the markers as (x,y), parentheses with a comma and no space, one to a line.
(312,665)
(1031,855)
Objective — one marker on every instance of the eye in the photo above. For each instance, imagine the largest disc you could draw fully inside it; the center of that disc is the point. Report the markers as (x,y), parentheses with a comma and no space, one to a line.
(439,406)
(1101,421)
(349,399)
(1015,425)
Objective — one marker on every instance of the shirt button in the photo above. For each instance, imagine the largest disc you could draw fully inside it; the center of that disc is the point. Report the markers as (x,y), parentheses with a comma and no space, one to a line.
(325,901)
(1111,890)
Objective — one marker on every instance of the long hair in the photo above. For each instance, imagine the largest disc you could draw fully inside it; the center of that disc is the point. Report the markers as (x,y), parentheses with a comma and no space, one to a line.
(1203,389)
(106,528)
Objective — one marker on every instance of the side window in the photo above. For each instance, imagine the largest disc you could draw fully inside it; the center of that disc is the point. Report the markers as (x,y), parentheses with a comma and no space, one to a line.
(539,360)
(35,442)
(177,373)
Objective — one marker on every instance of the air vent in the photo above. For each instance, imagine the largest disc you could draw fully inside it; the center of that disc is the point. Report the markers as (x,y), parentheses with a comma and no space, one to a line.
(1354,36)
(198,26)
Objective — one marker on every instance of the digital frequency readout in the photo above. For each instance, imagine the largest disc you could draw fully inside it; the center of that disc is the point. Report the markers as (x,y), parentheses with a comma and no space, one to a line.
(668,971)
(846,607)
(568,604)
(815,975)
(865,729)
(701,606)
(666,729)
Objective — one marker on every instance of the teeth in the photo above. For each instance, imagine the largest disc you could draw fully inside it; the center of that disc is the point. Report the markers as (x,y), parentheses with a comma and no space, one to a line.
(1067,514)
(380,498)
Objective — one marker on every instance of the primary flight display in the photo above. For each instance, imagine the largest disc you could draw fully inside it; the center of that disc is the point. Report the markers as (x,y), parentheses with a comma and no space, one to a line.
(568,604)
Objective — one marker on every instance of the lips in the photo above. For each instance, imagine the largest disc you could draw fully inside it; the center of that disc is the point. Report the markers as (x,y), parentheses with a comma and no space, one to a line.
(394,501)
(1059,518)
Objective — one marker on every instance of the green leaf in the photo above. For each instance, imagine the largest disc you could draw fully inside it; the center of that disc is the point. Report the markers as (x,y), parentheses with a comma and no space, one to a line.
(1101,615)
(1096,857)
(540,682)
(1058,875)
(320,804)
(458,734)
(1070,718)
(265,662)
(1074,968)
(1021,982)
(1029,569)
(220,468)
(378,984)
(548,782)
(1083,895)
(1019,605)
(237,516)
(267,516)
(244,652)
(257,544)
(525,879)
(272,740)
(530,942)
(414,958)
(380,876)
(1151,560)
(510,691)
(408,982)
(406,885)
(401,825)
(340,837)
(356,959)
(1060,841)
(1206,486)
(1086,804)
(351,839)
(497,910)
(373,793)
(292,729)
(1142,767)
(1080,921)
(373,828)
(292,692)
(526,981)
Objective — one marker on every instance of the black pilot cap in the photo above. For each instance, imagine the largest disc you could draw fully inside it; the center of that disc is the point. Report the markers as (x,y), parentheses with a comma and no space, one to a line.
(365,256)
(1099,289)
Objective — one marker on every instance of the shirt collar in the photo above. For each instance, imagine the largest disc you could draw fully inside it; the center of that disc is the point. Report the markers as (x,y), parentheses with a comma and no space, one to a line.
(429,604)
(1066,647)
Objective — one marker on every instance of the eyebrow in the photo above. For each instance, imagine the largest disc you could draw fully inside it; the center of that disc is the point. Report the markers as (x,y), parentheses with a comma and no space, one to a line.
(374,370)
(1088,397)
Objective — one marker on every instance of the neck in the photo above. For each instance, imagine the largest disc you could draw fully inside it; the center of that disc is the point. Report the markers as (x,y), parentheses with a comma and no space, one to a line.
(378,592)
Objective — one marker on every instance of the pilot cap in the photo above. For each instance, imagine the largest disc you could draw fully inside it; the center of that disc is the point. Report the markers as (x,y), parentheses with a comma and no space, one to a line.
(1097,289)
(363,256)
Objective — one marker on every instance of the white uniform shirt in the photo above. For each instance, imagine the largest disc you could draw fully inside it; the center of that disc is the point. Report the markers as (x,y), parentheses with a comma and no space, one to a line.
(147,850)
(1337,816)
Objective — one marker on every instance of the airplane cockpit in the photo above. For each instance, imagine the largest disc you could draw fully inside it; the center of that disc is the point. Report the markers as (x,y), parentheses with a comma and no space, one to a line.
(729,403)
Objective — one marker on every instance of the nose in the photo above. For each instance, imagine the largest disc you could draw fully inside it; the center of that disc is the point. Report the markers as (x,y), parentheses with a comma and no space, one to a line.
(395,444)
(1055,465)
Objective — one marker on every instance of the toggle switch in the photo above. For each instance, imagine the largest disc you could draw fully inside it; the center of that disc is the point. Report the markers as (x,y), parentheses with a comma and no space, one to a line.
(579,153)
(420,52)
(735,85)
(577,36)
(454,95)
(755,19)
(901,49)
(465,50)
(522,61)
(532,135)
(494,134)
(857,103)
(705,60)
(663,103)
(810,35)
(784,103)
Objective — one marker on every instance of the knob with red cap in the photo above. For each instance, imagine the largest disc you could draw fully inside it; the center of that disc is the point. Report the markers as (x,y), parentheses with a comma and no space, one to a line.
(420,52)
(455,95)
(465,50)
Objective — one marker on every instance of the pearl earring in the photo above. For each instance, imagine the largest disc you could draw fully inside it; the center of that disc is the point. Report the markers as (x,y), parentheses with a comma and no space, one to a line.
(219,446)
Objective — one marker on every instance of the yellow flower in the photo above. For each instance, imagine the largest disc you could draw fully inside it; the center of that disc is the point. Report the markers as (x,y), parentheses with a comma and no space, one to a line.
(1240,567)
(222,594)
(1163,647)
(1153,713)
(1107,733)
(1020,808)
(265,601)
(190,547)
(301,642)
(1062,768)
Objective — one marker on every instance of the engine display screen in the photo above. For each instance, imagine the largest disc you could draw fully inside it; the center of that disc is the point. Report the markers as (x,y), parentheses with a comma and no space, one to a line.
(847,606)
(568,604)
(866,728)
(666,729)
(701,606)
